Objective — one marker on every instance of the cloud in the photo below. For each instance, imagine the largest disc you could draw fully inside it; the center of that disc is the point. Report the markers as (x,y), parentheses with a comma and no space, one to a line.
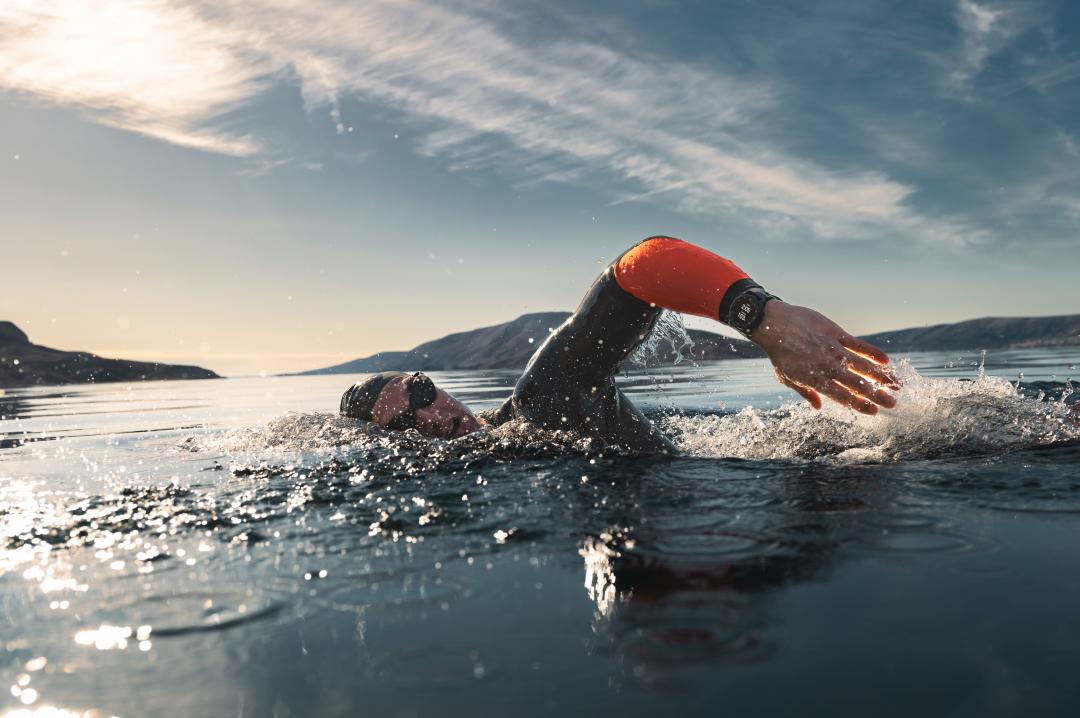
(987,29)
(566,109)
(1045,79)
(982,31)
(149,67)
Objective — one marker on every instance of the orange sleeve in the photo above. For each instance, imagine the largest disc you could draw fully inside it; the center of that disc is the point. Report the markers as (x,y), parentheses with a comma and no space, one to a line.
(677,275)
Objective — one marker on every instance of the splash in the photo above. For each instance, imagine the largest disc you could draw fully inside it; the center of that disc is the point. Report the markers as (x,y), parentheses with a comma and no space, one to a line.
(935,417)
(291,432)
(668,342)
(320,434)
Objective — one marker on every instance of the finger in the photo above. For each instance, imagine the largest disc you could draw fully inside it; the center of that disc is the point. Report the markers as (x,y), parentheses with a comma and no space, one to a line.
(805,392)
(875,373)
(799,388)
(864,349)
(842,395)
(867,390)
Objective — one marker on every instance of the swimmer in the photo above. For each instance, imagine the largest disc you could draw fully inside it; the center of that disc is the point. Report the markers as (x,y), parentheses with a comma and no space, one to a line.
(569,382)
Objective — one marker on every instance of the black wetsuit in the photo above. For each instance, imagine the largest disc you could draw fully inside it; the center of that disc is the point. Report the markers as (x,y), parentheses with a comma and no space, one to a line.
(570,381)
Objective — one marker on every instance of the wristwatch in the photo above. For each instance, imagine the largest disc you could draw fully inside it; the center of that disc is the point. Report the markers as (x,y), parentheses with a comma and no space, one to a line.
(748,309)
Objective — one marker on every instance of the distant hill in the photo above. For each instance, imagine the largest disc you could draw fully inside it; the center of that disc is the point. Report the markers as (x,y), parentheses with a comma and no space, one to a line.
(24,364)
(507,346)
(986,333)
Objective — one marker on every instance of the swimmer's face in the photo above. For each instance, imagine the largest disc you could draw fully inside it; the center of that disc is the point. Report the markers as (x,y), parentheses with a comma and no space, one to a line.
(436,413)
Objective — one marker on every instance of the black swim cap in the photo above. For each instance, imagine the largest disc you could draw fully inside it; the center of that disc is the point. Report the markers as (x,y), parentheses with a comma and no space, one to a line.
(358,400)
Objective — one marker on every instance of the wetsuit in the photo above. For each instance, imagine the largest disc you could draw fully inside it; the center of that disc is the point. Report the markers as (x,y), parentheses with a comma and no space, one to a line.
(570,381)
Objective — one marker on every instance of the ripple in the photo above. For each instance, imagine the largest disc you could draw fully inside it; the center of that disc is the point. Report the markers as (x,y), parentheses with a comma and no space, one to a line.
(687,644)
(705,543)
(178,614)
(905,522)
(915,542)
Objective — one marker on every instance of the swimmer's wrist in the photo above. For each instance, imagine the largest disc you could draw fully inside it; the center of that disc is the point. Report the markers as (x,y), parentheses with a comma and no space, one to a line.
(744,306)
(768,333)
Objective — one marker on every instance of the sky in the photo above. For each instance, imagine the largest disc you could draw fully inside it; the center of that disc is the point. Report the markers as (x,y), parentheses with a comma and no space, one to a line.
(279,185)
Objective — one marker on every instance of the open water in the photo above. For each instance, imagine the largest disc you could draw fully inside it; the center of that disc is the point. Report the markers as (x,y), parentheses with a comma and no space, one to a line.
(232,548)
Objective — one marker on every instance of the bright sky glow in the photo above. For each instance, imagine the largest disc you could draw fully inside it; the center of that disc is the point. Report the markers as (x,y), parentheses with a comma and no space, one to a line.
(285,184)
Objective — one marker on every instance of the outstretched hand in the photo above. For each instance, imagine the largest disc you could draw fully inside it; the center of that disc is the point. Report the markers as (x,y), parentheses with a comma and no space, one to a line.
(813,355)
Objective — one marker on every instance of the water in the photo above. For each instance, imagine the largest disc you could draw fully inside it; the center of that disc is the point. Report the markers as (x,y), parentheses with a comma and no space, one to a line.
(231,548)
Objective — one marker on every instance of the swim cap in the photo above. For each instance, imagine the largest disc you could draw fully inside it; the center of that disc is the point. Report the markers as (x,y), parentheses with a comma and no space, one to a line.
(358,401)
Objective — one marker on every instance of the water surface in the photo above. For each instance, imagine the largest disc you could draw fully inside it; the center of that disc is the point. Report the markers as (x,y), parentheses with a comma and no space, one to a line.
(232,548)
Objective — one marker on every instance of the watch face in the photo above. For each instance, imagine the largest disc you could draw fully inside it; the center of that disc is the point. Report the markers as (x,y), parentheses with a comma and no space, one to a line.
(746,309)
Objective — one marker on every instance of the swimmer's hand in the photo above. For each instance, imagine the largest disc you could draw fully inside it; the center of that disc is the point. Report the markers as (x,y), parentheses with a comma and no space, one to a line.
(814,356)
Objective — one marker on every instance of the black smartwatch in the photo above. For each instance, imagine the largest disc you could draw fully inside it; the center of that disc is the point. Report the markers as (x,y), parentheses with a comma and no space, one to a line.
(746,309)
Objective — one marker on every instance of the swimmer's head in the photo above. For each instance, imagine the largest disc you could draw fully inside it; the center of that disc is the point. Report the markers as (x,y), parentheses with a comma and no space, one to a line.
(398,401)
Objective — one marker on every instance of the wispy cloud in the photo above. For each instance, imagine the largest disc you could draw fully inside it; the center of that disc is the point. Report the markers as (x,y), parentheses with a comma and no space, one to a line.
(983,30)
(1046,79)
(987,29)
(146,66)
(665,130)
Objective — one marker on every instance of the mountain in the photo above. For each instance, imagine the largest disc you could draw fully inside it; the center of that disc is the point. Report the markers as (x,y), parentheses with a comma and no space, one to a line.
(24,364)
(986,333)
(509,346)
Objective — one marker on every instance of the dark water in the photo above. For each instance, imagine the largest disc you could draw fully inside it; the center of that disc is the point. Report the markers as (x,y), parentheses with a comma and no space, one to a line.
(191,549)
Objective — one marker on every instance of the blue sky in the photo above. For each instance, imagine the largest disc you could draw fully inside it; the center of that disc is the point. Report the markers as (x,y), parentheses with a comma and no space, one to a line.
(284,184)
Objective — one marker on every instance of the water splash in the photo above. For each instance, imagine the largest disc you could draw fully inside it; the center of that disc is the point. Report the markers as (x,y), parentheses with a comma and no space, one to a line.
(292,432)
(298,438)
(935,417)
(667,342)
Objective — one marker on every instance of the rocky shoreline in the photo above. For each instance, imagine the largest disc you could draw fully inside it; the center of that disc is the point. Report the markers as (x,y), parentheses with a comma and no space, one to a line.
(23,363)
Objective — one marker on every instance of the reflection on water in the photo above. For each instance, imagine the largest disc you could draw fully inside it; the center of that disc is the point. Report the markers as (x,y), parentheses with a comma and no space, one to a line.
(287,562)
(599,571)
(678,588)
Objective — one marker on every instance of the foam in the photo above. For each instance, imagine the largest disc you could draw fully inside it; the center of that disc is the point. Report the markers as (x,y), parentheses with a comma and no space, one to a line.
(934,417)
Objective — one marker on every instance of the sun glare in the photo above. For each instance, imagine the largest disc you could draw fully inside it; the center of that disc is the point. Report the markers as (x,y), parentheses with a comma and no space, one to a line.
(145,66)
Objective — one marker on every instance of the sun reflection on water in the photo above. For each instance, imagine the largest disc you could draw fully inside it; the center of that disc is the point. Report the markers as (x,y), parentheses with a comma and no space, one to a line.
(53,712)
(108,638)
(599,573)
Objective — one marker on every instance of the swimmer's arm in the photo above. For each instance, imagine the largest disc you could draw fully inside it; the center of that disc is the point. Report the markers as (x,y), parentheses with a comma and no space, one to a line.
(810,353)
